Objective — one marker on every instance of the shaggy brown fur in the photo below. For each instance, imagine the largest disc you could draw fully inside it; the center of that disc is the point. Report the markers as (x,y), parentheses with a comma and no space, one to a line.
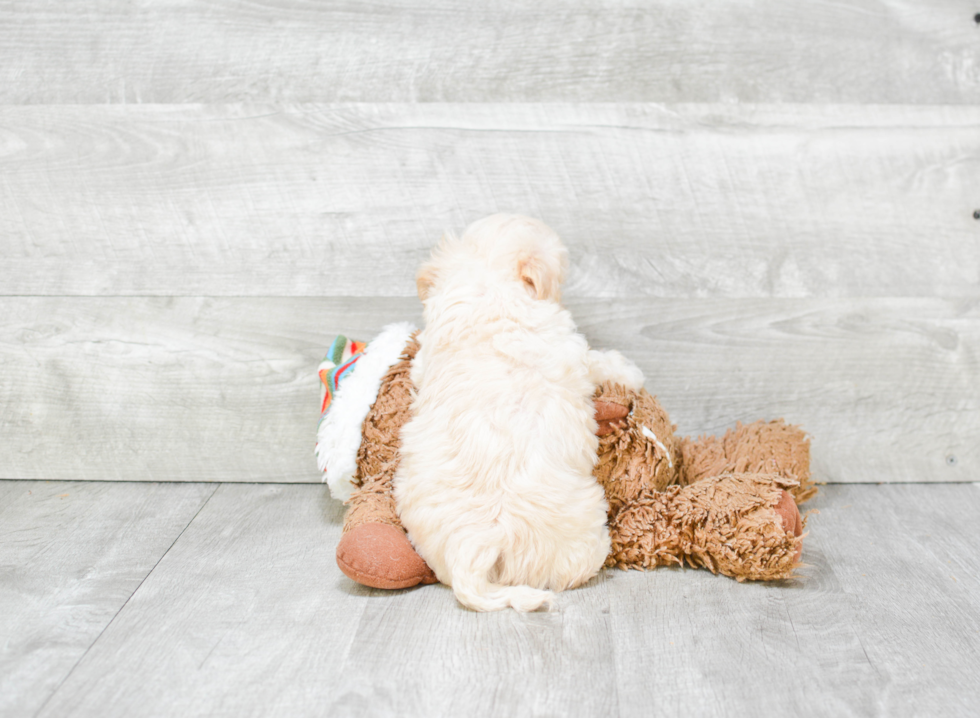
(773,447)
(727,524)
(629,460)
(377,458)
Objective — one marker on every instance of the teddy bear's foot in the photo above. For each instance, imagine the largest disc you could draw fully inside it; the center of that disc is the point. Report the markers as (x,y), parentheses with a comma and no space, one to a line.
(789,514)
(381,556)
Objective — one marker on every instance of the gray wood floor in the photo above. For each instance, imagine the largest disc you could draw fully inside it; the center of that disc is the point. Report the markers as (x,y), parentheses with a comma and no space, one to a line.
(772,207)
(129,599)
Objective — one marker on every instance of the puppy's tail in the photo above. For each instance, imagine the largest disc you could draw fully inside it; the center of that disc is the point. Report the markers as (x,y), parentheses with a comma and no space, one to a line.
(474,589)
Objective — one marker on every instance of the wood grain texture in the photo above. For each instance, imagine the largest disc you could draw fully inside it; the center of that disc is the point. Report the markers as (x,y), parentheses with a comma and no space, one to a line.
(110,51)
(71,555)
(889,390)
(347,200)
(248,615)
(908,554)
(447,661)
(879,624)
(224,389)
(158,389)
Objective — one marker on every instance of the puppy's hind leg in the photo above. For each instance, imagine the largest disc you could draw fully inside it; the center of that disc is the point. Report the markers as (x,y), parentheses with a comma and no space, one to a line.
(472,565)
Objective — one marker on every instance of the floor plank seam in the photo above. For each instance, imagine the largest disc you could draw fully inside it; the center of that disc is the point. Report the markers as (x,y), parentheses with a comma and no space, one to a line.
(125,603)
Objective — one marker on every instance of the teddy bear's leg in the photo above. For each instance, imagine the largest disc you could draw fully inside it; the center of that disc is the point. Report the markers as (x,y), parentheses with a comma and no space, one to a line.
(637,447)
(771,447)
(744,526)
(374,550)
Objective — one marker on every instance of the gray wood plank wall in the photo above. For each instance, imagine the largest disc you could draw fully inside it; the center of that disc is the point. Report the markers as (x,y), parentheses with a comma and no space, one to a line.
(862,51)
(224,389)
(346,200)
(769,207)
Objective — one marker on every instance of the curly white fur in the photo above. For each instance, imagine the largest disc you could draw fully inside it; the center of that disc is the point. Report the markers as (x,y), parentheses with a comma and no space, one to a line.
(495,485)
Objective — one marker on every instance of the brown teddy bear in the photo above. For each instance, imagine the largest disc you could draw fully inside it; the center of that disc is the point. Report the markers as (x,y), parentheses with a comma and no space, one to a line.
(726,504)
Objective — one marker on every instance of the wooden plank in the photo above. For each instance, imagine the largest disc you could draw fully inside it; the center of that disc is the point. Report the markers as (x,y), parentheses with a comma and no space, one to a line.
(158,389)
(888,389)
(876,627)
(949,531)
(346,200)
(419,653)
(225,389)
(71,555)
(908,554)
(884,51)
(248,615)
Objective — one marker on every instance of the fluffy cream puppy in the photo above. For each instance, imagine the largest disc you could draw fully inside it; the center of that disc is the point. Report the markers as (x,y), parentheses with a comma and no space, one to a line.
(495,485)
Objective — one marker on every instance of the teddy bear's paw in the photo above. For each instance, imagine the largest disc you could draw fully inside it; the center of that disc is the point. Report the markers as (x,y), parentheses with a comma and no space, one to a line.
(610,416)
(789,514)
(381,556)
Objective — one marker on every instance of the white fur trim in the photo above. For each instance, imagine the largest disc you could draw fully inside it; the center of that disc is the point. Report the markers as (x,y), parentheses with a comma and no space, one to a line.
(339,434)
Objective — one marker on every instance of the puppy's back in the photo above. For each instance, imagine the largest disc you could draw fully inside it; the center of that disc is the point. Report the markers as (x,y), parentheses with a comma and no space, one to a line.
(495,485)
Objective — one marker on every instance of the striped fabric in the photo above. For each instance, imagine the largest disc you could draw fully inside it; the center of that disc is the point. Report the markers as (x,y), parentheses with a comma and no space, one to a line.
(336,366)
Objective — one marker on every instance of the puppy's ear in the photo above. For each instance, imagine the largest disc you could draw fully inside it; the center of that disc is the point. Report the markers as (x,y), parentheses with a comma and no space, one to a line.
(542,278)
